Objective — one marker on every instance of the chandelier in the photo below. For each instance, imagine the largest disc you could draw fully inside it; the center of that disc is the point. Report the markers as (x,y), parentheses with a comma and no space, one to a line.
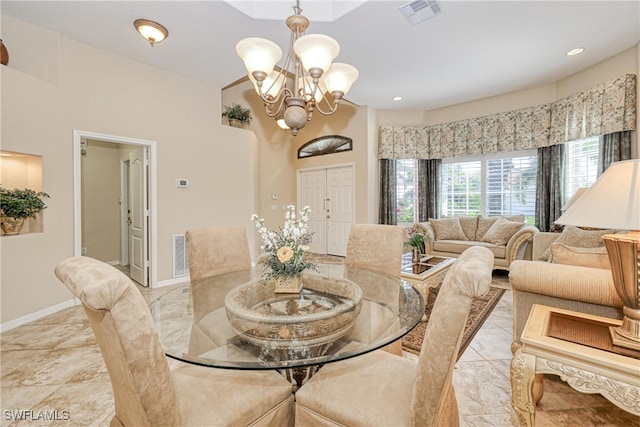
(307,77)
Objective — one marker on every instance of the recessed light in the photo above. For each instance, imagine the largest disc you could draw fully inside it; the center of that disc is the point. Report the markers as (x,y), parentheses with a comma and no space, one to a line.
(397,98)
(575,51)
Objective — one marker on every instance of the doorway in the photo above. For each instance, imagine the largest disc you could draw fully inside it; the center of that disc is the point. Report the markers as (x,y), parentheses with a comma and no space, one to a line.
(330,193)
(114,199)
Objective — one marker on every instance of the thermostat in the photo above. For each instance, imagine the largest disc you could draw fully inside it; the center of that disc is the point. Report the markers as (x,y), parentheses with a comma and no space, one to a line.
(182,183)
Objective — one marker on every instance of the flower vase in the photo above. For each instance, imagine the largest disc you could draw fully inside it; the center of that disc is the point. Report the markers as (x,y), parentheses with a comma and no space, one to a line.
(288,285)
(416,254)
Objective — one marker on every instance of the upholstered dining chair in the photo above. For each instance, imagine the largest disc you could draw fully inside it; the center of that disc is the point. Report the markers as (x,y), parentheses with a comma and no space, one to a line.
(386,390)
(146,392)
(217,250)
(213,251)
(377,247)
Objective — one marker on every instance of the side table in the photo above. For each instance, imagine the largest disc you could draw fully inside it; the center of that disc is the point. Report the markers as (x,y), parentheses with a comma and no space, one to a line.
(578,348)
(427,273)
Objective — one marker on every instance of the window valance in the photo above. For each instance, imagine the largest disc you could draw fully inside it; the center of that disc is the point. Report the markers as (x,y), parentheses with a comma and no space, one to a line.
(606,108)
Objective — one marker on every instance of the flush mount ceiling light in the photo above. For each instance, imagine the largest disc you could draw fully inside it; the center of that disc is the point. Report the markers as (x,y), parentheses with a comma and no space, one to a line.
(150,30)
(575,51)
(299,87)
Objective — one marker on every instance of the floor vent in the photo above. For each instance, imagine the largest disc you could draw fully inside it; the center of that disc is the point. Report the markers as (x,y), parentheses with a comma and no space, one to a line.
(180,257)
(420,10)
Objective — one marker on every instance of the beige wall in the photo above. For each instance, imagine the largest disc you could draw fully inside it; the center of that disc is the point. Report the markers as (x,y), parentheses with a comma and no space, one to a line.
(54,85)
(100,173)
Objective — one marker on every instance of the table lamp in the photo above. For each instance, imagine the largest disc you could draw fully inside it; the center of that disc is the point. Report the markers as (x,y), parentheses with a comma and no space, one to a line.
(613,201)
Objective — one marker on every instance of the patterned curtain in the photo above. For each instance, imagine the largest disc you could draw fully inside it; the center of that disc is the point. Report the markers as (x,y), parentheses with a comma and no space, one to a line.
(428,189)
(605,108)
(388,211)
(549,186)
(614,147)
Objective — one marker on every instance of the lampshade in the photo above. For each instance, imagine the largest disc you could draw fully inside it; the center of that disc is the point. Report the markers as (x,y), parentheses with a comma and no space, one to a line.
(316,51)
(574,198)
(306,85)
(613,201)
(340,77)
(258,54)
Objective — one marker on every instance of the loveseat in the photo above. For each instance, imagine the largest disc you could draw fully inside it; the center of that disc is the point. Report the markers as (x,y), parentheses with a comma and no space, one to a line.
(507,237)
(571,273)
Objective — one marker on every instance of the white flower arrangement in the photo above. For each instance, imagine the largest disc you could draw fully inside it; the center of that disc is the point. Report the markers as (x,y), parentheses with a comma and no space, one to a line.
(287,247)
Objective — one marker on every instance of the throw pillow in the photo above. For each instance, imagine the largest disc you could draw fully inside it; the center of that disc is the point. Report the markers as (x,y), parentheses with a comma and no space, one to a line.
(469,226)
(501,231)
(583,257)
(447,229)
(579,238)
(484,224)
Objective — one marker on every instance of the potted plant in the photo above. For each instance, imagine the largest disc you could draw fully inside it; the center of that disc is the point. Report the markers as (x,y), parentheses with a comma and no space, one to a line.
(237,116)
(16,205)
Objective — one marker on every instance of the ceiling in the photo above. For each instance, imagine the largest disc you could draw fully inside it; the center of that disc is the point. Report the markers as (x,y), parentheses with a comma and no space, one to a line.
(472,50)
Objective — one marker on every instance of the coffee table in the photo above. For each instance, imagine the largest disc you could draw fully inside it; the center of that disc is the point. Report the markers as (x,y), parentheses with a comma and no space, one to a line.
(578,348)
(427,273)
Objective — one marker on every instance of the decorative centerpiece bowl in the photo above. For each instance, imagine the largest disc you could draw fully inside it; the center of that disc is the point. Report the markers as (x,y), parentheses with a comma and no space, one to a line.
(310,320)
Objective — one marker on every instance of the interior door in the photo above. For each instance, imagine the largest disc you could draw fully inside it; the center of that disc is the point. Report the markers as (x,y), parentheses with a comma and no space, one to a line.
(139,216)
(313,193)
(340,209)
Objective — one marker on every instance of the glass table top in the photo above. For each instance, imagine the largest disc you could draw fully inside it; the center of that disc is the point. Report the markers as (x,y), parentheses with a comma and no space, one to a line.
(235,321)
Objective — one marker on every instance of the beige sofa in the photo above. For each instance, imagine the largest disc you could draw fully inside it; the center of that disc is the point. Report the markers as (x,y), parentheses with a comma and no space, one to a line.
(572,287)
(506,237)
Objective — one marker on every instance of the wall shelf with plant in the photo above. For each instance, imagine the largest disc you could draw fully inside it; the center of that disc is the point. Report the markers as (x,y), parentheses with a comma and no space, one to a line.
(236,115)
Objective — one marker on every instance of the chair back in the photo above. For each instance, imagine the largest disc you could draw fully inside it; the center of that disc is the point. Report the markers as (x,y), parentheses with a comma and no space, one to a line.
(433,398)
(217,250)
(376,247)
(143,390)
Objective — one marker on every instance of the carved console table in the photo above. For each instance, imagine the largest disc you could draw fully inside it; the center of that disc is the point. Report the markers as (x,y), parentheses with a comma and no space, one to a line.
(578,348)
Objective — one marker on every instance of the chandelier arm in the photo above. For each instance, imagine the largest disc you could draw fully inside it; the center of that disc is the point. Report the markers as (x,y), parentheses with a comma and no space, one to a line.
(280,100)
(333,109)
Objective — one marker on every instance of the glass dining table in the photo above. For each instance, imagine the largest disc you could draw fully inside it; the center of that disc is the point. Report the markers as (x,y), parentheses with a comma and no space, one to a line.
(237,321)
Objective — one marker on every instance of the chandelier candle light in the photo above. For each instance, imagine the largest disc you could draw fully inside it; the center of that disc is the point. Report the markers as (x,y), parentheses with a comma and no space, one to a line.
(293,93)
(285,250)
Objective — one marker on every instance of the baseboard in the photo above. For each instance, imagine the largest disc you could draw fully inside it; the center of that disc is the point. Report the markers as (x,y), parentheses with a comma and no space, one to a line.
(170,282)
(23,320)
(112,262)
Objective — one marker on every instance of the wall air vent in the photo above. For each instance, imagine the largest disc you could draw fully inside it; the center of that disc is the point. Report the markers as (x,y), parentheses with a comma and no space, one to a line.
(180,256)
(420,10)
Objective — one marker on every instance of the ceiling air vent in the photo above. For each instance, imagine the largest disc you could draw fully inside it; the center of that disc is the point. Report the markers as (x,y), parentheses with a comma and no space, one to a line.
(420,10)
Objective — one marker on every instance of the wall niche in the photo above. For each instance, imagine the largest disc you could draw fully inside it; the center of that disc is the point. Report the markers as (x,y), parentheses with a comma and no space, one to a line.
(20,170)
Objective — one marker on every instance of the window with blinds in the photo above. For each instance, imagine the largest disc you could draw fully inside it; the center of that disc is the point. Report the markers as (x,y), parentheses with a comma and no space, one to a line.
(461,188)
(406,184)
(490,185)
(581,165)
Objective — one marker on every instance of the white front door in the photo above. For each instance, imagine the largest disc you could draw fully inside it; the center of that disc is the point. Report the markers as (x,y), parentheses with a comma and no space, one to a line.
(139,215)
(330,195)
(313,193)
(340,209)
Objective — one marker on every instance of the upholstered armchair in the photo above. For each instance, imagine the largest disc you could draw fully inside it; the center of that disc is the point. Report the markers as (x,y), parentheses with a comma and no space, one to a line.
(377,247)
(581,284)
(146,392)
(381,389)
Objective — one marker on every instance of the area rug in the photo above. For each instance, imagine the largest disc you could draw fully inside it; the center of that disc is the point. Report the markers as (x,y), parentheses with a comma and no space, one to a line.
(481,308)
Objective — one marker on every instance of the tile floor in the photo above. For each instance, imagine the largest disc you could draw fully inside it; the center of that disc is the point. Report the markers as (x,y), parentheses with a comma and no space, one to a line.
(54,365)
